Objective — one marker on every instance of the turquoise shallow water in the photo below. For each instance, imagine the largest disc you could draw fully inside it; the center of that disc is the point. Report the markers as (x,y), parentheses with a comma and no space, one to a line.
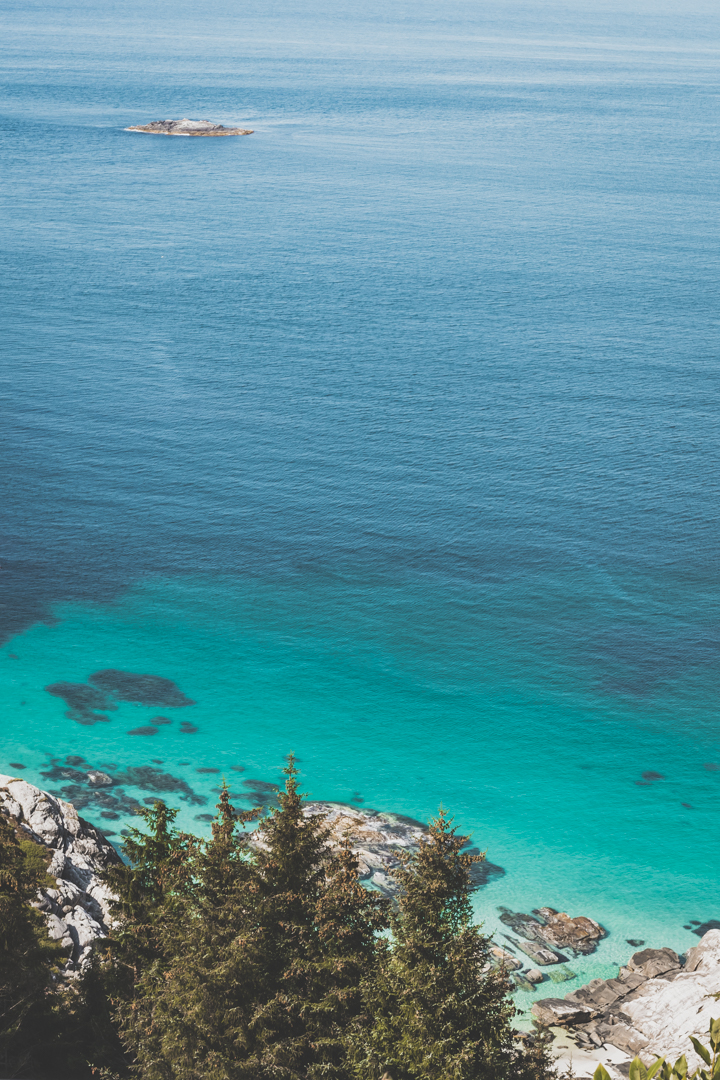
(389,433)
(404,713)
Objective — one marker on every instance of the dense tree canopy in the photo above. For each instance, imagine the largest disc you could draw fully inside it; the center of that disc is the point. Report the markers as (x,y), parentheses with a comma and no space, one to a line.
(259,955)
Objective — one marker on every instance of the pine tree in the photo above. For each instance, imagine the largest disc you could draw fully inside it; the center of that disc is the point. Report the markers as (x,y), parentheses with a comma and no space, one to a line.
(202,1005)
(292,859)
(438,1011)
(276,939)
(150,890)
(29,961)
(349,919)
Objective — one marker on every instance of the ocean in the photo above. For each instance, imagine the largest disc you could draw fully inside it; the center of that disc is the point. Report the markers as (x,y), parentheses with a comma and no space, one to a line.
(388,433)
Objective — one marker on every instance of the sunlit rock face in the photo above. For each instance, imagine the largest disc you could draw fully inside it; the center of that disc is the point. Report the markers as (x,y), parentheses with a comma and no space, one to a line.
(78,908)
(657,1001)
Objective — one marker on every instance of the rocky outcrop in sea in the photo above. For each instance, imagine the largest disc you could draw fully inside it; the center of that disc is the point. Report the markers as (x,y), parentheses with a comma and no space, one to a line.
(77,909)
(658,1000)
(547,934)
(378,839)
(187,127)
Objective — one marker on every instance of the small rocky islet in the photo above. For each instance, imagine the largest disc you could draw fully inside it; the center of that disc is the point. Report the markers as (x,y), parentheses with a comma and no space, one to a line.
(187,127)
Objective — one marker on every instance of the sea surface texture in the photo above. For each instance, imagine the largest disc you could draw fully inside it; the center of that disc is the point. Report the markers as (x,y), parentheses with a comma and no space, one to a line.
(388,434)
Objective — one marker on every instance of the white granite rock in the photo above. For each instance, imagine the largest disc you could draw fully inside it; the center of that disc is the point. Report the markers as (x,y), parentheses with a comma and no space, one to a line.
(378,839)
(666,1014)
(651,1009)
(78,908)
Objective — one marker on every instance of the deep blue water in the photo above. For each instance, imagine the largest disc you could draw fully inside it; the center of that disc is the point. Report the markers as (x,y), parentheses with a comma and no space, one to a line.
(389,432)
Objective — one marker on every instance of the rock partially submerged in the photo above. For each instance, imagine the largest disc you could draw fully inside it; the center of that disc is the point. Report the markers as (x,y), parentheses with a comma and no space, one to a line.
(554,929)
(187,127)
(652,1008)
(78,908)
(380,838)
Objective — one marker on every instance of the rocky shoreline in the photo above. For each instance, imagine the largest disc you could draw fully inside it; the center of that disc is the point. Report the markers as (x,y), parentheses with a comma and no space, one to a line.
(77,910)
(379,838)
(658,1000)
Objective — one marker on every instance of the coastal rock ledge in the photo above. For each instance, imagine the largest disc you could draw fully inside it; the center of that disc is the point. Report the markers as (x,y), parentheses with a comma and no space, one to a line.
(77,910)
(652,1008)
(187,127)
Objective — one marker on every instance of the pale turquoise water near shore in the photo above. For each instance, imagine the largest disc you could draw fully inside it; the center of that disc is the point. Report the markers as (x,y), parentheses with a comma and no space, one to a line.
(389,433)
(403,713)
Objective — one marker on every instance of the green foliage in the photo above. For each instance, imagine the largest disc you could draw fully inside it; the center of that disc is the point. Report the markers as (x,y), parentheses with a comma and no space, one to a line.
(36,859)
(261,956)
(196,1006)
(150,890)
(314,940)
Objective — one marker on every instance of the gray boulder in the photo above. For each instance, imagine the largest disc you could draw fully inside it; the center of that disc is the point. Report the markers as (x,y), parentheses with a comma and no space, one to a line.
(580,934)
(77,910)
(667,1013)
(538,953)
(557,1011)
(651,1009)
(653,962)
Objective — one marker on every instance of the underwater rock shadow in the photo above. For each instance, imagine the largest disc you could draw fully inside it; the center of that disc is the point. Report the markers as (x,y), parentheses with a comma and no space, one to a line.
(83,702)
(151,779)
(483,873)
(140,689)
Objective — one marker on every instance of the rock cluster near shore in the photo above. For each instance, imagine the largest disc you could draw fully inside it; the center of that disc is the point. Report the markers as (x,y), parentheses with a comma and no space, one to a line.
(655,1004)
(78,908)
(545,937)
(187,127)
(379,839)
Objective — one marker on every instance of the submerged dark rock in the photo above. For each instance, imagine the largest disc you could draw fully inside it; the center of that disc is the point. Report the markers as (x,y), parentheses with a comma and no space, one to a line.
(141,689)
(702,928)
(481,873)
(151,779)
(146,729)
(187,127)
(187,728)
(83,702)
(261,793)
(260,785)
